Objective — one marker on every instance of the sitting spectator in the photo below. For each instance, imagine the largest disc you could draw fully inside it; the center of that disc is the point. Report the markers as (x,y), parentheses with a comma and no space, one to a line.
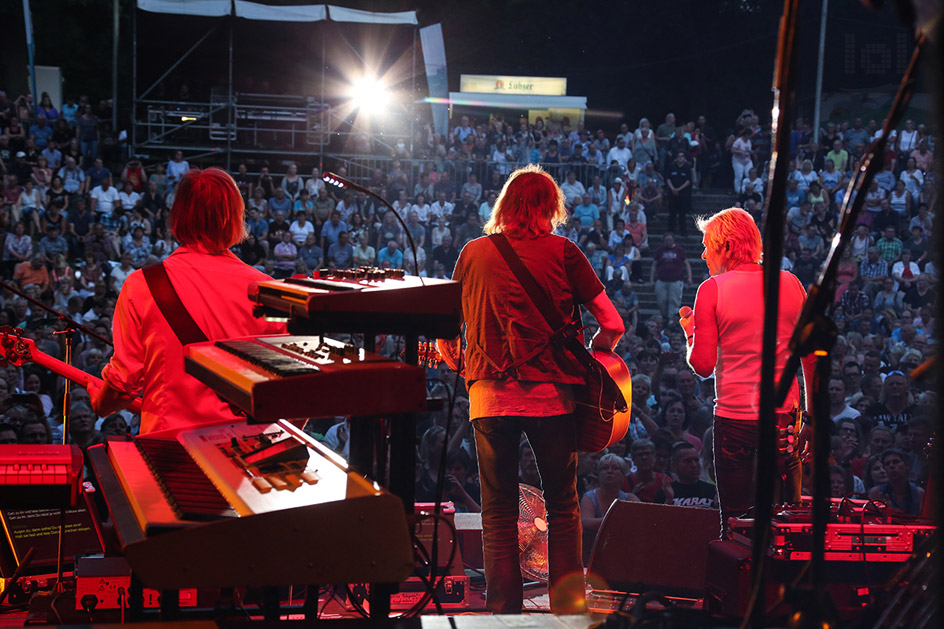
(619,265)
(390,256)
(310,253)
(809,238)
(905,272)
(900,494)
(105,198)
(364,254)
(920,294)
(341,253)
(861,241)
(53,244)
(251,252)
(301,228)
(646,483)
(280,202)
(889,246)
(854,300)
(611,473)
(285,255)
(573,190)
(805,267)
(873,271)
(33,272)
(637,228)
(445,254)
(626,302)
(674,417)
(689,489)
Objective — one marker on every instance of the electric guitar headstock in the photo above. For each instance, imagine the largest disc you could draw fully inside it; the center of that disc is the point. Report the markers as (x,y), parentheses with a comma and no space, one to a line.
(14,347)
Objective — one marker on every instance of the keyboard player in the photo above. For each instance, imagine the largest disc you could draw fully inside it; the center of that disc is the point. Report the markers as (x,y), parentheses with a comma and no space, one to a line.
(211,284)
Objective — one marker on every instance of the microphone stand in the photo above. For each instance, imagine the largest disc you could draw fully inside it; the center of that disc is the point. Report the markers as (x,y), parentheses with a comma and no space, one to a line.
(343,183)
(69,332)
(782,113)
(402,436)
(816,333)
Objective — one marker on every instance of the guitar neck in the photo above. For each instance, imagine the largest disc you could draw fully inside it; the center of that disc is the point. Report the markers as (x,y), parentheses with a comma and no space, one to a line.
(74,374)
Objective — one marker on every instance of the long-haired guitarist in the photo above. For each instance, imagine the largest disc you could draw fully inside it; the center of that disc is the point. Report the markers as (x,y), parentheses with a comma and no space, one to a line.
(211,283)
(520,379)
(725,337)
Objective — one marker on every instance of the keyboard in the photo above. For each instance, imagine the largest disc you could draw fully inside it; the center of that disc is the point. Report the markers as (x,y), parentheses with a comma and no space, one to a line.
(248,505)
(286,377)
(367,299)
(39,475)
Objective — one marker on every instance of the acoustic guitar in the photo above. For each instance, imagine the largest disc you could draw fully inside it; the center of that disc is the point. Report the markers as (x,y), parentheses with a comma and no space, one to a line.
(17,350)
(603,406)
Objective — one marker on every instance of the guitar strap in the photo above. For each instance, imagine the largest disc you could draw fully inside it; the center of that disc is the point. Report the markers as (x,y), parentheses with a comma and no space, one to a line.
(565,331)
(168,302)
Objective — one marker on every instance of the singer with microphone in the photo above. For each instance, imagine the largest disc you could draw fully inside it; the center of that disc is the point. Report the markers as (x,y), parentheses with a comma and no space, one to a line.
(724,335)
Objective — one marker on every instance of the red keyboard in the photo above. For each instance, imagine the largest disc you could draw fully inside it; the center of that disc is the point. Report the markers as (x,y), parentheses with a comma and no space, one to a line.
(39,475)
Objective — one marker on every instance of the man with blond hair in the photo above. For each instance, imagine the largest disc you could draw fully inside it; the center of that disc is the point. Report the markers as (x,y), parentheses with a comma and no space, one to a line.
(520,380)
(725,337)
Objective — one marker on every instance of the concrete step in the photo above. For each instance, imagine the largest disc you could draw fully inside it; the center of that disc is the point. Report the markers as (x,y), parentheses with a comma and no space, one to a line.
(704,202)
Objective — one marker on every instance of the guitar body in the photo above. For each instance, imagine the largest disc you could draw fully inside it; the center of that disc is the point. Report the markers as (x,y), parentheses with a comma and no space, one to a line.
(603,406)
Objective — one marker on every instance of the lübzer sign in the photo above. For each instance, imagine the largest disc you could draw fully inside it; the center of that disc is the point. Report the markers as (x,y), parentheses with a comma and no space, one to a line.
(497,84)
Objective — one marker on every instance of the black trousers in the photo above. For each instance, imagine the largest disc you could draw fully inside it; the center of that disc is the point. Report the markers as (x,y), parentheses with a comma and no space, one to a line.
(553,441)
(735,449)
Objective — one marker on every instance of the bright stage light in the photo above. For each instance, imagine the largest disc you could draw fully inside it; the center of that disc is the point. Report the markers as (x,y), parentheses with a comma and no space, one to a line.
(369,95)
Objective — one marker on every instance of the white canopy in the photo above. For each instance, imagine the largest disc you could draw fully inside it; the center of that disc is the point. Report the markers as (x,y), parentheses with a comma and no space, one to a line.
(276,13)
(284,13)
(340,14)
(205,8)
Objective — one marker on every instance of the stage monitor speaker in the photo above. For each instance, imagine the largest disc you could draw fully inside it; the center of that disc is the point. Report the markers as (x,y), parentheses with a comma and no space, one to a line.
(642,547)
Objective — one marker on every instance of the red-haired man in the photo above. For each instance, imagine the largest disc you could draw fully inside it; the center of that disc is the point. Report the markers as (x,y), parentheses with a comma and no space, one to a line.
(207,219)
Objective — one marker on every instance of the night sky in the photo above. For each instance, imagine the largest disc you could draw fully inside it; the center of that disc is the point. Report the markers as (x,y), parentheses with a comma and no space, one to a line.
(631,59)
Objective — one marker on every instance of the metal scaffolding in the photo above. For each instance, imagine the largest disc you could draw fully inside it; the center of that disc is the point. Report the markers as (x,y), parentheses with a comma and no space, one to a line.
(235,124)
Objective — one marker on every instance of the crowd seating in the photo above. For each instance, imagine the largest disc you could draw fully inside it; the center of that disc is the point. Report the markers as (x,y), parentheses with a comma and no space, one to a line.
(79,216)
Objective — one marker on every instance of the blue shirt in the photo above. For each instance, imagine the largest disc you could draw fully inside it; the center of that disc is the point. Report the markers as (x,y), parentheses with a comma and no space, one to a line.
(586,214)
(257,227)
(395,259)
(41,135)
(795,198)
(330,233)
(284,205)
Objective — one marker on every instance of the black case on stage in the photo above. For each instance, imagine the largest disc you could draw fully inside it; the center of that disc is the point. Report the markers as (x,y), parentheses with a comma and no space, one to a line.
(728,581)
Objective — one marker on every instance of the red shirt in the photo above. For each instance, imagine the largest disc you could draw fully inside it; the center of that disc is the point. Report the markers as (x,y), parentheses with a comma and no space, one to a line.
(503,327)
(148,358)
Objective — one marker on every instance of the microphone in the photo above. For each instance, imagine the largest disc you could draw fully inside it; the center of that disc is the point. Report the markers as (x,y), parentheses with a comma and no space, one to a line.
(685,312)
(341,182)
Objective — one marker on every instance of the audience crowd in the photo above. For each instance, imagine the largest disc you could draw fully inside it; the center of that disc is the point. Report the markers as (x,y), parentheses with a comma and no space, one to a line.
(77,218)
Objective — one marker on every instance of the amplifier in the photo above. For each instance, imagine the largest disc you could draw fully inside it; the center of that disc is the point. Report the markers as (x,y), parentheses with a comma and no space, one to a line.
(870,541)
(103,583)
(452,592)
(851,585)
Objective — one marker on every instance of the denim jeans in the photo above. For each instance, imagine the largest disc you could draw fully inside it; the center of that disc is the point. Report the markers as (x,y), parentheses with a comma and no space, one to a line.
(735,446)
(553,441)
(669,298)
